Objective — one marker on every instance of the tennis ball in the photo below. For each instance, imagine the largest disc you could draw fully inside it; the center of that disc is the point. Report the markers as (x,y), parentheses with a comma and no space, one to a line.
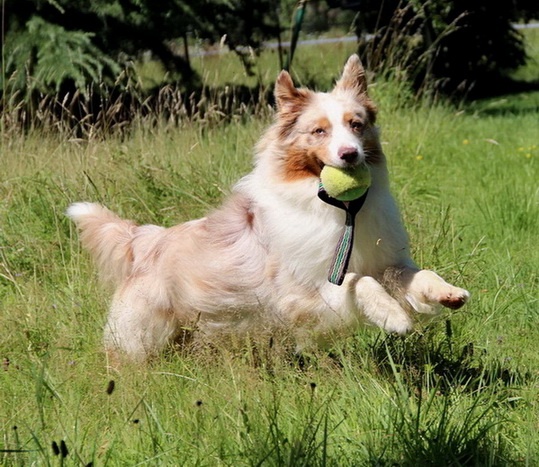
(346,184)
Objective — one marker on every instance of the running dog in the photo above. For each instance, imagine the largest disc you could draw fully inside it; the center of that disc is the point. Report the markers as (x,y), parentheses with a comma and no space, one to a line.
(261,260)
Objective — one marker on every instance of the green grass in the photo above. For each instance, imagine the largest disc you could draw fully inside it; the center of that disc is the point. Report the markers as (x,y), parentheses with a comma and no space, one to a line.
(462,391)
(311,66)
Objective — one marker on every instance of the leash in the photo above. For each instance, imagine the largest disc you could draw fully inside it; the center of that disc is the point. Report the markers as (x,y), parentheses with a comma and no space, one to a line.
(343,251)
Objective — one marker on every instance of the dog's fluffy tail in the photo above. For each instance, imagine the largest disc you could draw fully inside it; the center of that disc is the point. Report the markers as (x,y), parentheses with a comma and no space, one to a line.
(108,238)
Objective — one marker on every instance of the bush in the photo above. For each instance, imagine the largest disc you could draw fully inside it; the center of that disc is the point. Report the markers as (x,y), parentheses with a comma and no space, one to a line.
(43,57)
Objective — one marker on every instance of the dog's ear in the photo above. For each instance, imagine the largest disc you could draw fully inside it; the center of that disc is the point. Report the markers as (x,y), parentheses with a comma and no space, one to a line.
(353,77)
(287,96)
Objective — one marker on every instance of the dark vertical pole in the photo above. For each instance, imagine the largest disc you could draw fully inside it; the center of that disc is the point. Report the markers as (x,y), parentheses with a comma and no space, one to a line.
(296,28)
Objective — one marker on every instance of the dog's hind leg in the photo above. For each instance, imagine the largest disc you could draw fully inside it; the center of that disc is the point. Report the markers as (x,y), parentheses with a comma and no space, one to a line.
(137,327)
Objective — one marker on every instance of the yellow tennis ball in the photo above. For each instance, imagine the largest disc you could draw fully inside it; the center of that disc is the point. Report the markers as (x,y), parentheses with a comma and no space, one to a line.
(346,184)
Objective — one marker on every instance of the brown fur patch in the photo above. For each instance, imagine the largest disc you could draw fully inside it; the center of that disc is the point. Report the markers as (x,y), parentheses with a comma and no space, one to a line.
(291,102)
(321,123)
(303,162)
(350,116)
(250,218)
(289,114)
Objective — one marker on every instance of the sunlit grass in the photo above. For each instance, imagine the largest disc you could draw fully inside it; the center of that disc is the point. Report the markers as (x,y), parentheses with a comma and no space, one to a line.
(462,391)
(311,65)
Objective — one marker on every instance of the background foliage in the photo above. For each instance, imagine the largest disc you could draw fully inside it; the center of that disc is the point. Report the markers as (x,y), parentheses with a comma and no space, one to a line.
(63,48)
(53,44)
(456,47)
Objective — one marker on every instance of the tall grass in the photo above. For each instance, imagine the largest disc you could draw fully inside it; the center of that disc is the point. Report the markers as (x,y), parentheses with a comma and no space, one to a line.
(460,391)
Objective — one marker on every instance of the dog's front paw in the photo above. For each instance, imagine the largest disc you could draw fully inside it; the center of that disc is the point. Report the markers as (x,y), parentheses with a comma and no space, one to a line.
(380,308)
(428,293)
(455,298)
(397,322)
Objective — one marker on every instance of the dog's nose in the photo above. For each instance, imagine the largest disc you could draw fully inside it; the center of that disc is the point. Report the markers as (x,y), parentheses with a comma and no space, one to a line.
(348,154)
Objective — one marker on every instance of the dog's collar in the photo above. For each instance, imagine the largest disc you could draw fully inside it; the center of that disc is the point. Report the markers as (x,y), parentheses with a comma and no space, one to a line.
(343,251)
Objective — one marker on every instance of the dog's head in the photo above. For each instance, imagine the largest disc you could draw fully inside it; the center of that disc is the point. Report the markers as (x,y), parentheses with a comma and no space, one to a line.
(335,128)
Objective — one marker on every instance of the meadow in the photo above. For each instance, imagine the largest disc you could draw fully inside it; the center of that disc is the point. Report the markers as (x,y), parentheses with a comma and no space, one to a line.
(463,390)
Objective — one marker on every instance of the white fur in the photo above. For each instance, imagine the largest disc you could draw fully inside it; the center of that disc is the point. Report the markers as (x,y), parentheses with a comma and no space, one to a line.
(261,261)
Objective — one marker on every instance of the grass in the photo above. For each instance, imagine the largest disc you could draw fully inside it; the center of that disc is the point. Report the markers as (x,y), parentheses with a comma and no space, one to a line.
(461,391)
(222,69)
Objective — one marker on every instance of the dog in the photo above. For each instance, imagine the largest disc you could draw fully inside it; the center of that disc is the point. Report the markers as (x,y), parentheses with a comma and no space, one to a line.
(261,260)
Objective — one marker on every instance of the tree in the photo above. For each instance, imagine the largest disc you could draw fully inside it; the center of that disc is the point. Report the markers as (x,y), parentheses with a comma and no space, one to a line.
(65,45)
(244,25)
(458,47)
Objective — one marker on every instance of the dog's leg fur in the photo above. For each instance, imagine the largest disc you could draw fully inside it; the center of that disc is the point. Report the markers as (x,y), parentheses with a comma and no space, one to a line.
(379,307)
(333,310)
(137,325)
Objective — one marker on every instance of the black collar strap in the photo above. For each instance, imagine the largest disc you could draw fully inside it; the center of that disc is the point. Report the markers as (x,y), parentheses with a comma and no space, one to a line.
(343,251)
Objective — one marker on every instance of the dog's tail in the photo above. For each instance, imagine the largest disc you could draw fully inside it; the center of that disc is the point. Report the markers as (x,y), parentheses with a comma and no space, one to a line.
(108,238)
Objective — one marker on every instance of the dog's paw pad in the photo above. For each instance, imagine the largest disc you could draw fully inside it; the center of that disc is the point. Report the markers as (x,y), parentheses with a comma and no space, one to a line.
(455,300)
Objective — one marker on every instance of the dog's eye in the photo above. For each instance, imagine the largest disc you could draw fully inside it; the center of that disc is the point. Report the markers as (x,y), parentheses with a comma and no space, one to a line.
(356,125)
(319,131)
